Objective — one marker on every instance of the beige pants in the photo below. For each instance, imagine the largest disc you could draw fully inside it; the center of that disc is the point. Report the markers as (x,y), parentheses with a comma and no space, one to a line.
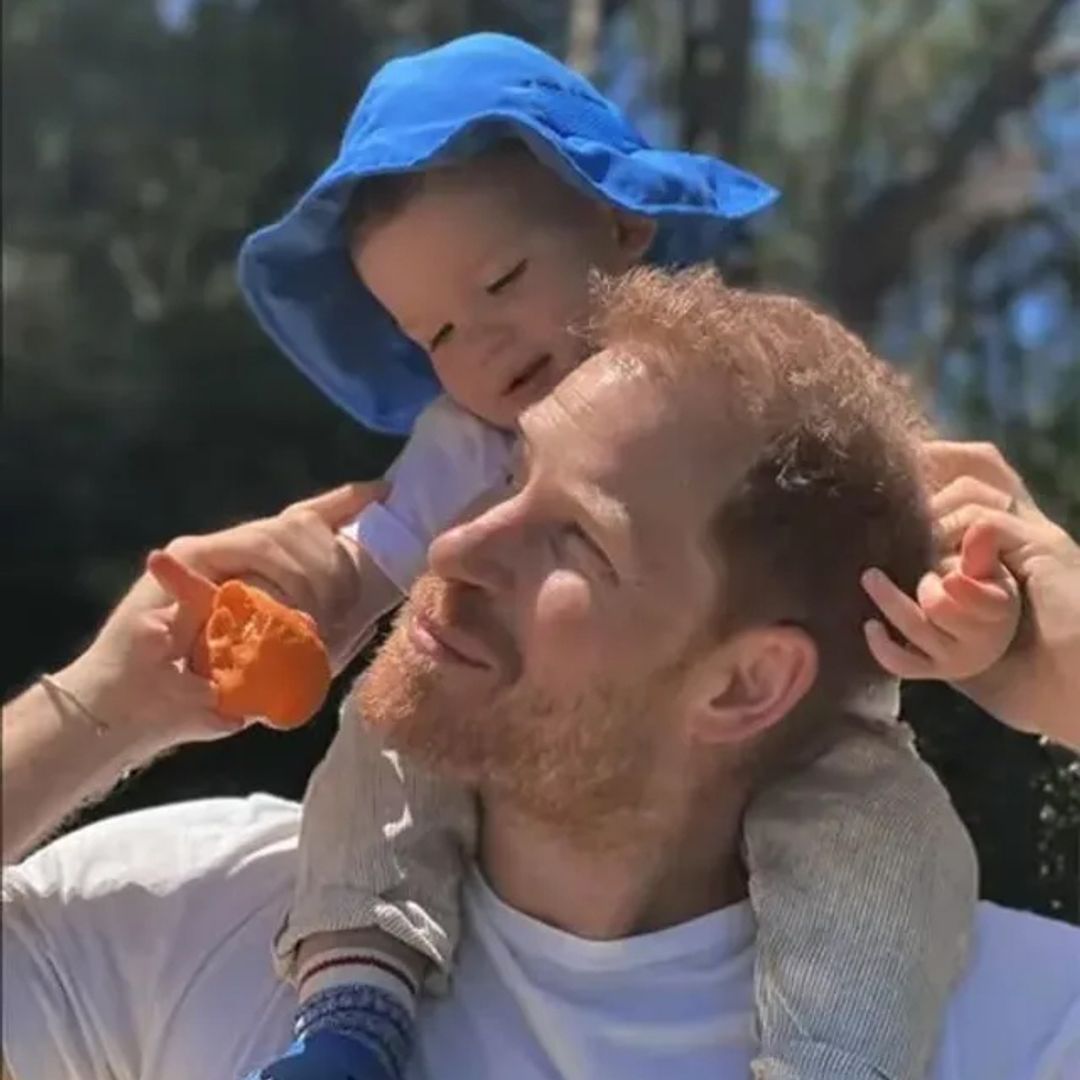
(864,883)
(862,879)
(381,844)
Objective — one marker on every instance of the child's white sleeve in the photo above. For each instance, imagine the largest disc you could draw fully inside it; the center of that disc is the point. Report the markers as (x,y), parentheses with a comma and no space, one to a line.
(450,460)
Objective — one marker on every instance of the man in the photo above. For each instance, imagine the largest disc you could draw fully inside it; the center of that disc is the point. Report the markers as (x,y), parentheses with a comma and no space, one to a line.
(613,655)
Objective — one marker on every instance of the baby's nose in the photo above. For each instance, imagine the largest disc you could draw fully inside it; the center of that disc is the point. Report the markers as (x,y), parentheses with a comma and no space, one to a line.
(494,343)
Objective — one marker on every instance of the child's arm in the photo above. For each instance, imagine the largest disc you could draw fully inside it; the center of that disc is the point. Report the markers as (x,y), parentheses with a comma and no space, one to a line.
(960,623)
(450,460)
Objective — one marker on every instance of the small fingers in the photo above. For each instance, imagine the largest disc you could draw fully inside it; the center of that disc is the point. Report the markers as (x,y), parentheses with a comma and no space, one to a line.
(980,601)
(905,614)
(898,660)
(941,607)
(980,552)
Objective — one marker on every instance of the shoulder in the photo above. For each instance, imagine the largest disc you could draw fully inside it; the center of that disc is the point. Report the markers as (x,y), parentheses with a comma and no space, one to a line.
(183,899)
(1016,1010)
(161,849)
(179,870)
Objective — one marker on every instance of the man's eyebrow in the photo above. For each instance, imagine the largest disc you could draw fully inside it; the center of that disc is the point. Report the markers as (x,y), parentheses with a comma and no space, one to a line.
(608,512)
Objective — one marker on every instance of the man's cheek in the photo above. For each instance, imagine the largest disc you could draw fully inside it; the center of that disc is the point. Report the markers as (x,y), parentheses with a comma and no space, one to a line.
(565,624)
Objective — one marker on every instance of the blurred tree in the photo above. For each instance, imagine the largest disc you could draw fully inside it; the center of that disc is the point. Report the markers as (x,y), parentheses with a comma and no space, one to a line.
(926,149)
(927,153)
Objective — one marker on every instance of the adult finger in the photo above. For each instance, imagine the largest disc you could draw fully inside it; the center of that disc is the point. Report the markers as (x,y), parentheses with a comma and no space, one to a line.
(339,506)
(1010,531)
(945,461)
(195,700)
(331,579)
(968,490)
(252,552)
(189,588)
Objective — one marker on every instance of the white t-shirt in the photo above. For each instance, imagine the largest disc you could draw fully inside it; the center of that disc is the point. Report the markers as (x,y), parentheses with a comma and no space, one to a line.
(139,948)
(450,460)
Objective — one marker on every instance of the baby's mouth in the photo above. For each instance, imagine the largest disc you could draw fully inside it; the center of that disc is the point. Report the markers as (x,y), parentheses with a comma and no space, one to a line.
(523,378)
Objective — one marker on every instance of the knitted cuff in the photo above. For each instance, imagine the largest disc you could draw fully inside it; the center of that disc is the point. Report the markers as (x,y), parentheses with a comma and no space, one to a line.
(365,1014)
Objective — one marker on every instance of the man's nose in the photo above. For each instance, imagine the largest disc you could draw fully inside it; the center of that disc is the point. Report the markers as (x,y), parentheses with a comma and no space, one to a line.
(478,551)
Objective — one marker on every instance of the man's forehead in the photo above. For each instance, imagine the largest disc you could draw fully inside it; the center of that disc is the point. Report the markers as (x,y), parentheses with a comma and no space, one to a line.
(607,401)
(615,425)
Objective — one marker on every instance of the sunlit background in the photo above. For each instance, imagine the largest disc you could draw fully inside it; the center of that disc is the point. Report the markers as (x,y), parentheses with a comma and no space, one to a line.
(929,154)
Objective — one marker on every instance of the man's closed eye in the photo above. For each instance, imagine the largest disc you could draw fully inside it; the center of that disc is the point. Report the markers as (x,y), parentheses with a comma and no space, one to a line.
(575,539)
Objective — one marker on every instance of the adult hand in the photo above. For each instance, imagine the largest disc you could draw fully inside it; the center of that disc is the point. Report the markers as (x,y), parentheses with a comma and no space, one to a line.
(1035,686)
(297,557)
(69,738)
(129,676)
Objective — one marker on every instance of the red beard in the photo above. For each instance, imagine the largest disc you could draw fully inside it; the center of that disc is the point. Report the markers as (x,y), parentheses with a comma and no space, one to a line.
(574,762)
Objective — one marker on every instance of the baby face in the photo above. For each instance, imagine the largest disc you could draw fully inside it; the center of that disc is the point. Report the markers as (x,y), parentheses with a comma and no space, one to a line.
(487,269)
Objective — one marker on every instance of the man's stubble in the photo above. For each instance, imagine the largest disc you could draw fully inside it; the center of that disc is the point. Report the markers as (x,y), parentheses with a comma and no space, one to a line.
(582,763)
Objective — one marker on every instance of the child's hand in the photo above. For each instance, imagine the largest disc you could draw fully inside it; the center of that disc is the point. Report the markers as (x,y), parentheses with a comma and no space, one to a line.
(962,622)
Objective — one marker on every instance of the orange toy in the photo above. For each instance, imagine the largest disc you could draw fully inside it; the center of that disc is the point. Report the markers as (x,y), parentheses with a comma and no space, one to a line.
(263,658)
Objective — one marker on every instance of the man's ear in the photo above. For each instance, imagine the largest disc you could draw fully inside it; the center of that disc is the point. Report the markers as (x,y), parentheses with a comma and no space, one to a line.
(750,682)
(633,236)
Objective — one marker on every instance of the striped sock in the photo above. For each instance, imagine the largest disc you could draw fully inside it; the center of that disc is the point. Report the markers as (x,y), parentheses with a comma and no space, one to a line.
(358,967)
(366,1018)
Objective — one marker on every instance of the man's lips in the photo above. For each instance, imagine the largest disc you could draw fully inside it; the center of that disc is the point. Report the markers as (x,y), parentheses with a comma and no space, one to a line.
(525,376)
(442,642)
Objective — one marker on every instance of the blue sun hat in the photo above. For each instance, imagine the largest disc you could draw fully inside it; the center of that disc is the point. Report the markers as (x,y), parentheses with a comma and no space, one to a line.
(435,107)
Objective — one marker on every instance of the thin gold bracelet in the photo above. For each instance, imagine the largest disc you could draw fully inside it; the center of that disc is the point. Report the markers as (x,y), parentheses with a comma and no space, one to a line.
(54,688)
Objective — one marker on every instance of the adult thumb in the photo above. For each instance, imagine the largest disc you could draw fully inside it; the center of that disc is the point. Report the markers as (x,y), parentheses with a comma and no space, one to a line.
(340,505)
(192,591)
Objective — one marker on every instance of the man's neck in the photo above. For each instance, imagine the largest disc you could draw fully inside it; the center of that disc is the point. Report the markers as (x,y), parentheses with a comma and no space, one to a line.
(665,869)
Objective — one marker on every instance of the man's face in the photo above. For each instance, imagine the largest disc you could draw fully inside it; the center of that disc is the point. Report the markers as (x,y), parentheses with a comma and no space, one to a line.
(487,269)
(543,655)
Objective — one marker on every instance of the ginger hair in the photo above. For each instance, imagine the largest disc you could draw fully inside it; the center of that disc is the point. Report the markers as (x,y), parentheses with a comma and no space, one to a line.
(824,440)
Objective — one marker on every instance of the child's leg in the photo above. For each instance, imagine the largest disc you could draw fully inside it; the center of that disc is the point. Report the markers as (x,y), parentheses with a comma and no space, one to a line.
(382,847)
(864,884)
